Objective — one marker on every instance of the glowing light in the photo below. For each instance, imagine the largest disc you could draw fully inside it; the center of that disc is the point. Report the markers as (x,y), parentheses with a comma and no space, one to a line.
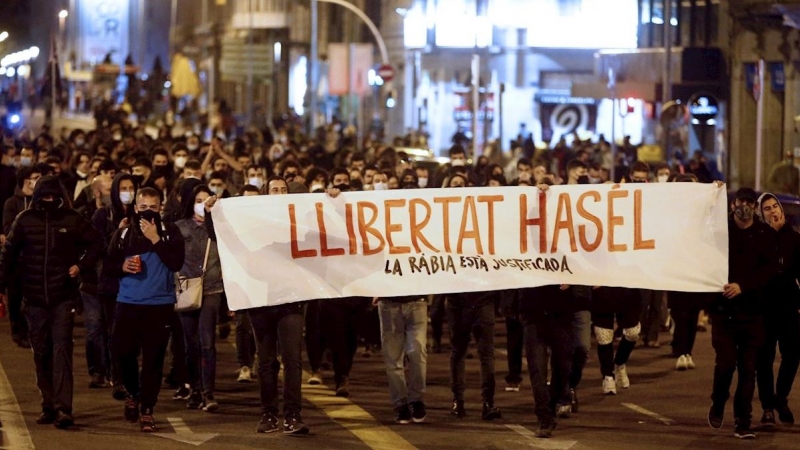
(15,119)
(10,72)
(3,36)
(63,14)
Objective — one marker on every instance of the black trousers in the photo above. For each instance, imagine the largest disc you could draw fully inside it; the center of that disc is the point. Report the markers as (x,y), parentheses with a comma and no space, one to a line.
(315,338)
(737,341)
(781,329)
(465,323)
(179,373)
(341,319)
(142,329)
(438,312)
(19,326)
(515,340)
(553,331)
(685,330)
(50,333)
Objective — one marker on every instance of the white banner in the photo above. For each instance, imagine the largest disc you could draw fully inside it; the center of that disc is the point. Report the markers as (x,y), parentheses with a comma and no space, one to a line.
(289,248)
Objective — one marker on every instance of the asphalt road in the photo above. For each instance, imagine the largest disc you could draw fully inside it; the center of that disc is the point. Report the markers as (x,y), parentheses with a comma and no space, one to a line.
(663,409)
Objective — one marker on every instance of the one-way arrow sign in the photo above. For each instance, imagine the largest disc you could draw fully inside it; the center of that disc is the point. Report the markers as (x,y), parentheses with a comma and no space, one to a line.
(184,434)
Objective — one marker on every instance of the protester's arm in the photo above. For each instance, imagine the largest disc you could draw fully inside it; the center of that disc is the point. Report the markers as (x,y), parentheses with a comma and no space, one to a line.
(9,214)
(207,161)
(9,253)
(91,240)
(116,257)
(209,220)
(232,162)
(171,251)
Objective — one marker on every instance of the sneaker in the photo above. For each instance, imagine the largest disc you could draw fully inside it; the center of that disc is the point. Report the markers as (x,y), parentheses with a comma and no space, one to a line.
(343,388)
(195,400)
(293,424)
(609,386)
(63,420)
(743,432)
(458,409)
(131,409)
(315,379)
(490,412)
(209,404)
(98,382)
(573,400)
(784,413)
(119,393)
(768,419)
(47,417)
(244,375)
(268,424)
(716,416)
(622,377)
(682,364)
(564,411)
(545,430)
(147,423)
(418,413)
(183,393)
(403,415)
(689,362)
(512,387)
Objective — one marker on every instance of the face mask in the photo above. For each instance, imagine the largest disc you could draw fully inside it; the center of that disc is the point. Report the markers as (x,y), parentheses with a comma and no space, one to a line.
(25,161)
(663,178)
(743,212)
(594,180)
(137,179)
(342,187)
(79,142)
(180,161)
(105,199)
(51,206)
(317,187)
(583,179)
(217,190)
(192,147)
(200,209)
(126,198)
(457,162)
(255,181)
(380,186)
(150,216)
(422,182)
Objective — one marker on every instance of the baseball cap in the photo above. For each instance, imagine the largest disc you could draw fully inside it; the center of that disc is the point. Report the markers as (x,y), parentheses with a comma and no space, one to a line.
(746,194)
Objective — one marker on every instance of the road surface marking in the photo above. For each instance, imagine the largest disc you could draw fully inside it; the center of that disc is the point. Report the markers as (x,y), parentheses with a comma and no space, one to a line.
(184,434)
(354,419)
(544,444)
(15,434)
(647,412)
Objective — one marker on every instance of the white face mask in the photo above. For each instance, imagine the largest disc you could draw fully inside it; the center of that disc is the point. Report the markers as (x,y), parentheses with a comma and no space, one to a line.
(317,187)
(217,190)
(457,162)
(663,178)
(192,147)
(422,182)
(25,161)
(200,209)
(380,186)
(594,180)
(180,161)
(255,181)
(126,198)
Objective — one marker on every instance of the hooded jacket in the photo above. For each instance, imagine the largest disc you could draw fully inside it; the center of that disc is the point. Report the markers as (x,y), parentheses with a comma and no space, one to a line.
(782,293)
(106,220)
(13,206)
(43,244)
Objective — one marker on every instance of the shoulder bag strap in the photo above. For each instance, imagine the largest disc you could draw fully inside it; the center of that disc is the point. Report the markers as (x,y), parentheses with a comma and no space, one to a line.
(205,260)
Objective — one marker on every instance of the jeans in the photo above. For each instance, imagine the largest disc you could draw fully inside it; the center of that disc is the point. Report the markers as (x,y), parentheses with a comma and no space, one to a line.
(245,341)
(464,323)
(272,325)
(142,329)
(685,330)
(582,344)
(200,332)
(50,333)
(515,340)
(404,332)
(96,318)
(736,342)
(315,341)
(650,316)
(341,320)
(782,329)
(555,331)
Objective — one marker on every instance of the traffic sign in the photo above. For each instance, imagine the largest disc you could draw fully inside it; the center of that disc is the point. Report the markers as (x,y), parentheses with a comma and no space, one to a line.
(386,72)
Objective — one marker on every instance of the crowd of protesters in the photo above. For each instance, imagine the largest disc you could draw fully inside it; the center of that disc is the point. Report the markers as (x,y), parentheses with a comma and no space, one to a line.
(99,222)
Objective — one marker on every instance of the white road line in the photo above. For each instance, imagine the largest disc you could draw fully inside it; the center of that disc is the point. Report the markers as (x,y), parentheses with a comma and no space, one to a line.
(647,412)
(15,434)
(544,444)
(184,434)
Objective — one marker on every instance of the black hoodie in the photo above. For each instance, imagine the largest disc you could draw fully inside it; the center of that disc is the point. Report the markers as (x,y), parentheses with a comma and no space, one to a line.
(106,221)
(44,243)
(783,294)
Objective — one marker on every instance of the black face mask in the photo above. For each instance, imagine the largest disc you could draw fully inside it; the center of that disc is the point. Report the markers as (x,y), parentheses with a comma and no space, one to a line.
(342,187)
(150,216)
(50,206)
(583,179)
(137,180)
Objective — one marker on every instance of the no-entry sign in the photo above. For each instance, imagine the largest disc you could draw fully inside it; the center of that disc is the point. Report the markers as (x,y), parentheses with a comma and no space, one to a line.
(386,72)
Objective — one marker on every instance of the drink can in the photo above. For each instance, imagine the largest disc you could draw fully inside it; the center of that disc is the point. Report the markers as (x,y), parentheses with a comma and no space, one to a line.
(137,260)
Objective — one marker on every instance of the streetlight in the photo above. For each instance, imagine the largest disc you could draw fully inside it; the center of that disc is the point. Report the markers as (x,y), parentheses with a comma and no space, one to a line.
(63,14)
(3,36)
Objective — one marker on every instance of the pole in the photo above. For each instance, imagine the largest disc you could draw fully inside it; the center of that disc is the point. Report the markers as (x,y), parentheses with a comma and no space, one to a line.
(249,99)
(612,86)
(760,124)
(361,15)
(666,86)
(351,89)
(313,73)
(476,67)
(500,116)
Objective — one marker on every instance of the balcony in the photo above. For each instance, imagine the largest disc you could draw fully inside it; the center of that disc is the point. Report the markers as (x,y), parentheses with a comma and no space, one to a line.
(260,14)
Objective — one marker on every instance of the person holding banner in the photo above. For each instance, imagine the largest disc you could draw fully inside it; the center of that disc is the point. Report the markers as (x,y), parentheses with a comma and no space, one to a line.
(738,331)
(610,305)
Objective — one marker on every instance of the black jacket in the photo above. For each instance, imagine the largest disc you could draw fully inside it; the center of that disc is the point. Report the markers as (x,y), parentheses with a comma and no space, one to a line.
(782,293)
(752,263)
(106,220)
(44,245)
(12,207)
(546,300)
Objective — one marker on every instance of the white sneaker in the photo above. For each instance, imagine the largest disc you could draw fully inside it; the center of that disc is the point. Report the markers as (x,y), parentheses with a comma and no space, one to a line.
(244,375)
(622,377)
(689,362)
(609,386)
(315,378)
(682,364)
